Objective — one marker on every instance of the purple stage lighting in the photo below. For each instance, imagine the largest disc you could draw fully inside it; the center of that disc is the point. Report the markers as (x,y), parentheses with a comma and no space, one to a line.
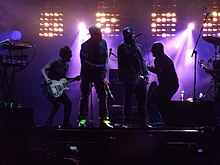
(81,26)
(16,35)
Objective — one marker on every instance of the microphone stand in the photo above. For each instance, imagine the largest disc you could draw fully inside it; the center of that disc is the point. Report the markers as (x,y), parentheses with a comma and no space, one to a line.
(110,53)
(194,52)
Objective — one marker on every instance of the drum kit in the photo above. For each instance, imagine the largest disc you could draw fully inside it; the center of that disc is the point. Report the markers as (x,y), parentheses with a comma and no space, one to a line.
(214,63)
(216,42)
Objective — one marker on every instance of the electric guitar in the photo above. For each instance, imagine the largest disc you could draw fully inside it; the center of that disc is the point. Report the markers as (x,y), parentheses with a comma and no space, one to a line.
(56,88)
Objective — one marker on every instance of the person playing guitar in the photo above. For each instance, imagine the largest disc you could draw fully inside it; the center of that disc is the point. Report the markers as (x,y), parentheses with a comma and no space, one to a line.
(55,83)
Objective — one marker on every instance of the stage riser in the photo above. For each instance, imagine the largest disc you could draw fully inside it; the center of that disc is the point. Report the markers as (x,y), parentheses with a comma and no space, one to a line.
(177,114)
(16,118)
(109,147)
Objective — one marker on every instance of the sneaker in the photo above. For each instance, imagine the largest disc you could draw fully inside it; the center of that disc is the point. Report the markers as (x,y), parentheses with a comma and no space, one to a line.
(105,124)
(158,125)
(146,126)
(82,123)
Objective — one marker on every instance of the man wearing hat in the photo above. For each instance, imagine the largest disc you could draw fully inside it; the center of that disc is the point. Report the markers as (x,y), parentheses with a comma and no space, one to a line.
(94,61)
(134,76)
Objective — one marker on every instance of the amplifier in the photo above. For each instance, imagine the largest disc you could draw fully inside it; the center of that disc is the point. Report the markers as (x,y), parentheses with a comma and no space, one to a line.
(16,118)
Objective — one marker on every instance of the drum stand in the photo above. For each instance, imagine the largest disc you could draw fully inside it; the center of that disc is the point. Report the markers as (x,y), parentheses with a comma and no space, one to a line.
(209,92)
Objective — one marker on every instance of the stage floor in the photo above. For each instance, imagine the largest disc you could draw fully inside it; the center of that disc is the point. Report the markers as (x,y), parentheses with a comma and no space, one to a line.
(53,145)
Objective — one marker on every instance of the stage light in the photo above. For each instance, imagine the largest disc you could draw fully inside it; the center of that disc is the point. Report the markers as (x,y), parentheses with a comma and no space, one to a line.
(153,14)
(51,24)
(163,24)
(107,30)
(108,23)
(16,35)
(81,26)
(211,27)
(191,26)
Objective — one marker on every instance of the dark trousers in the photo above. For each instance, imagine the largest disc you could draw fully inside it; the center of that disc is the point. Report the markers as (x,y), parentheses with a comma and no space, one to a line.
(64,99)
(100,87)
(157,102)
(139,91)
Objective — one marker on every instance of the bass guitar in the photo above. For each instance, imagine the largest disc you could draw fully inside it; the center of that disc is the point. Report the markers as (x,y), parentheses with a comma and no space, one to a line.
(56,88)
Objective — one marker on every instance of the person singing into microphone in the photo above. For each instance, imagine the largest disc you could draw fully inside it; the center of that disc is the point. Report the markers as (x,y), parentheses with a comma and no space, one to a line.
(134,75)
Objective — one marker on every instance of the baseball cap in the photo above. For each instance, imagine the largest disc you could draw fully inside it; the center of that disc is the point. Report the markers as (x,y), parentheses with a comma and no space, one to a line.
(94,29)
(128,31)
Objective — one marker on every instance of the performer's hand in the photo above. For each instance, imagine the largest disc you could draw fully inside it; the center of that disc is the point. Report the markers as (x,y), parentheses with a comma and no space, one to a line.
(49,81)
(102,66)
(147,77)
(149,67)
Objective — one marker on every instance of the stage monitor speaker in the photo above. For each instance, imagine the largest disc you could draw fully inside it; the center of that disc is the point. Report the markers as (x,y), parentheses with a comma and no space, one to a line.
(113,75)
(190,114)
(117,91)
(116,114)
(16,118)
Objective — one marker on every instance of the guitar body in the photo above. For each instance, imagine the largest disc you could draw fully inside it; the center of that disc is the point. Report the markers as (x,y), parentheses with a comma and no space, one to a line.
(56,88)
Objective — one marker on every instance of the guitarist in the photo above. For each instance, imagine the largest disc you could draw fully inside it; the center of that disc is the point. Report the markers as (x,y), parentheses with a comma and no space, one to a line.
(56,69)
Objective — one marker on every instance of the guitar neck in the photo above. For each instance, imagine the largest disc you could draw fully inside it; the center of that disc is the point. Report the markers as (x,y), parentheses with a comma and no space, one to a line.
(77,78)
(69,81)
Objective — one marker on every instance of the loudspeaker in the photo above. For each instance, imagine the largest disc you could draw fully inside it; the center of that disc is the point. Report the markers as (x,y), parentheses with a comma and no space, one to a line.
(117,91)
(116,114)
(16,117)
(113,75)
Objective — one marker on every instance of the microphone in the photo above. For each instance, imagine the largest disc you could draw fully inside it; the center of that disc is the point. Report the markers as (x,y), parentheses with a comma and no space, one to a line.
(110,52)
(138,35)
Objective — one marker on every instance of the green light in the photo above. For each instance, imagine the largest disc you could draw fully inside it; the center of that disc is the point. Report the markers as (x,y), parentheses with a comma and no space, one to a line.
(82,121)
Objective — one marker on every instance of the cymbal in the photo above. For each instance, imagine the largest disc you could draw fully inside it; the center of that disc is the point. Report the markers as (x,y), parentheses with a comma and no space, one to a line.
(212,40)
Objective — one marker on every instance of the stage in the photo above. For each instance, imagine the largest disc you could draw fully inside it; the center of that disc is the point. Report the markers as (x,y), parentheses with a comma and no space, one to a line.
(190,137)
(41,145)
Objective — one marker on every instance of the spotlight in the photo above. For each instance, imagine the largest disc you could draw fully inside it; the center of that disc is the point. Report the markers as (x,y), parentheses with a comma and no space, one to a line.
(81,26)
(191,26)
(16,35)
